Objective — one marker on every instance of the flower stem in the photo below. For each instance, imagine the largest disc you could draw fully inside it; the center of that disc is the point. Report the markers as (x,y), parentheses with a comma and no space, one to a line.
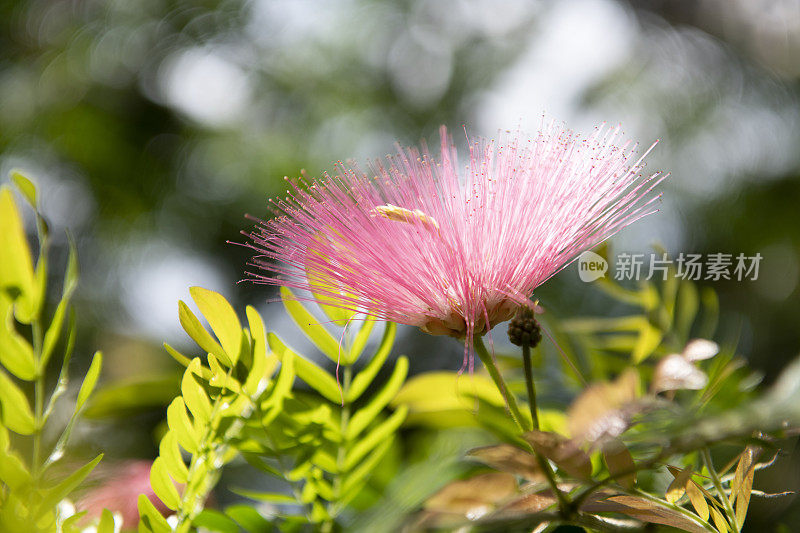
(494,373)
(564,504)
(529,384)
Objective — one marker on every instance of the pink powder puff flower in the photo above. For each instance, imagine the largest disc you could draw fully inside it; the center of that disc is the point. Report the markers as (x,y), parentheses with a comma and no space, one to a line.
(118,489)
(413,242)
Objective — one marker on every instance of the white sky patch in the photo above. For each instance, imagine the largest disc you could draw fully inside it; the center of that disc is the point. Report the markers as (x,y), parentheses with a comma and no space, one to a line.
(576,44)
(203,84)
(155,276)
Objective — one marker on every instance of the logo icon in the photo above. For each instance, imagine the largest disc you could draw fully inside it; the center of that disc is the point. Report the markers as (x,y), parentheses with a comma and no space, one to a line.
(591,266)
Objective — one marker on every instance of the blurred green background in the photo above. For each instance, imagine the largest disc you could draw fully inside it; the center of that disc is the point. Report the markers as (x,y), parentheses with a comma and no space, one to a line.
(153,126)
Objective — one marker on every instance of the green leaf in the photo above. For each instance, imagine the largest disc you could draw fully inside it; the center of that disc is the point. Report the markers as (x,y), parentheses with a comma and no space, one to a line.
(90,380)
(192,326)
(170,453)
(12,470)
(65,487)
(360,342)
(71,275)
(263,365)
(16,268)
(106,524)
(150,518)
(194,395)
(270,497)
(364,378)
(314,376)
(310,325)
(222,319)
(355,478)
(53,332)
(26,186)
(648,340)
(69,525)
(178,356)
(362,418)
(178,421)
(133,396)
(16,354)
(442,391)
(163,486)
(248,518)
(15,411)
(215,521)
(382,431)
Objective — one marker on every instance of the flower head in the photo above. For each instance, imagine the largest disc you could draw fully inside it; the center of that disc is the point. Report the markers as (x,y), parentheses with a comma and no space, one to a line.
(414,242)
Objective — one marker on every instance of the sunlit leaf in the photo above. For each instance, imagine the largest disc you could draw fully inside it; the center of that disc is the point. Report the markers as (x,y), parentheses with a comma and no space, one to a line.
(698,500)
(16,354)
(15,411)
(194,395)
(65,487)
(437,391)
(222,319)
(170,454)
(179,422)
(191,324)
(375,437)
(163,486)
(677,488)
(363,379)
(106,524)
(719,520)
(362,418)
(360,341)
(16,268)
(89,381)
(311,326)
(314,376)
(264,364)
(648,340)
(150,518)
(26,186)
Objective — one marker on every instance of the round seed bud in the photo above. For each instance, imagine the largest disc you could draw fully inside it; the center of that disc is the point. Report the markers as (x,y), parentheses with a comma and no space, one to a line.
(524,329)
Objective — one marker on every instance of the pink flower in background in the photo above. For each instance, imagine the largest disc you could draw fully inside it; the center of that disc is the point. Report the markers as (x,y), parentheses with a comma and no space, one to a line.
(118,490)
(411,241)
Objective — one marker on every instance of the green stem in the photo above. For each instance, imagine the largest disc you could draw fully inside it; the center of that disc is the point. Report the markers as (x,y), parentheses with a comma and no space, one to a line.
(529,384)
(38,392)
(564,503)
(341,453)
(712,472)
(494,373)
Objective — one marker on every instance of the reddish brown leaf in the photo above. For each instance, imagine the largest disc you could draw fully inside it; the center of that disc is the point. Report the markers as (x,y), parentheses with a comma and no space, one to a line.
(620,463)
(563,452)
(647,511)
(475,496)
(508,458)
(601,411)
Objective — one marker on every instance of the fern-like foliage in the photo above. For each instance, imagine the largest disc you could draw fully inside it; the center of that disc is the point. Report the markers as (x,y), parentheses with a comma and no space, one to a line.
(29,342)
(219,393)
(323,440)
